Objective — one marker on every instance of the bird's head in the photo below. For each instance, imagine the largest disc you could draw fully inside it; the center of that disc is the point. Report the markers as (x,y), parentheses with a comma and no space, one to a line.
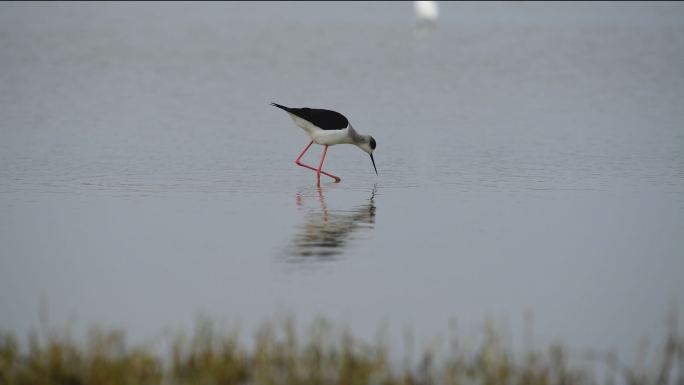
(368,146)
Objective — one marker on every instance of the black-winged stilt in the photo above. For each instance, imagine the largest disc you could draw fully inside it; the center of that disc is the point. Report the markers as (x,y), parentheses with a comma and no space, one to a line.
(328,128)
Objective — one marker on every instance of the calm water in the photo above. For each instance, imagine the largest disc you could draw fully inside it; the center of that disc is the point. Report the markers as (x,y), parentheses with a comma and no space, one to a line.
(531,160)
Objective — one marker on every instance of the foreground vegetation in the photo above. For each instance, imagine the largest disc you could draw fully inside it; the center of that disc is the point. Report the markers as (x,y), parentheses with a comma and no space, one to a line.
(324,356)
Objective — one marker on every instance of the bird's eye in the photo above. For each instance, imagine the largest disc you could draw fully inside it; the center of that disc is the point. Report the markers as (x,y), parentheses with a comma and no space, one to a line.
(372,144)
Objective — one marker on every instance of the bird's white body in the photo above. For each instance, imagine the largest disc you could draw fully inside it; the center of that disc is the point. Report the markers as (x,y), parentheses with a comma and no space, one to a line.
(426,10)
(324,137)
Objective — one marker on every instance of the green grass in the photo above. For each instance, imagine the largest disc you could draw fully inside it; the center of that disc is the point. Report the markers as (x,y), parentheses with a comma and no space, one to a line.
(324,355)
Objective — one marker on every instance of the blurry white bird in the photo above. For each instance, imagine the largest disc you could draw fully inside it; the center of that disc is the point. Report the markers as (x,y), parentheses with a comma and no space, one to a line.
(426,11)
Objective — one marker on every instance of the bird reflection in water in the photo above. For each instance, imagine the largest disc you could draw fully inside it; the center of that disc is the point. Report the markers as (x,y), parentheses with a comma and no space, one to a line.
(326,233)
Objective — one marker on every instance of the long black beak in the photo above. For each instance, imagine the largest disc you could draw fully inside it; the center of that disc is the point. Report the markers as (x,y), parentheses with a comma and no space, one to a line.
(375,168)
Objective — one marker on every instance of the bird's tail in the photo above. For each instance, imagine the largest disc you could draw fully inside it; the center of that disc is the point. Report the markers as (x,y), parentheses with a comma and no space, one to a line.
(281,107)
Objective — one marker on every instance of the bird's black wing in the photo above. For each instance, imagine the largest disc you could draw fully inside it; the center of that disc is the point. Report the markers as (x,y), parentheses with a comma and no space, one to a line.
(325,119)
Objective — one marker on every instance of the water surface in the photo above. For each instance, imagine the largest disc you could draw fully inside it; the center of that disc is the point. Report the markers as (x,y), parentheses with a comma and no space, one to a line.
(531,161)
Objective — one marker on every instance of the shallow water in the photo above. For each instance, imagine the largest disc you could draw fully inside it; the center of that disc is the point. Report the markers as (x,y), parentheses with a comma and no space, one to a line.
(531,161)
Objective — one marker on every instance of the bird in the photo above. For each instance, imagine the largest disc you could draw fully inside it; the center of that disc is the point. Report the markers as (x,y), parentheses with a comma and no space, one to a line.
(328,128)
(426,11)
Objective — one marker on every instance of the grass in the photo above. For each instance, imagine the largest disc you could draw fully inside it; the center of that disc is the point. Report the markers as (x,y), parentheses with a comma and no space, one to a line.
(324,355)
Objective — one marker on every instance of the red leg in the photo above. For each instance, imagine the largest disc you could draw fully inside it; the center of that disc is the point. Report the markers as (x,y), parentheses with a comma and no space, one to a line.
(302,154)
(298,163)
(320,165)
